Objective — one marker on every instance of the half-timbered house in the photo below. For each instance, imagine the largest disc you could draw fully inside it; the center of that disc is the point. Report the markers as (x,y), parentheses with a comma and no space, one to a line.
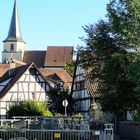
(83,90)
(23,83)
(50,61)
(19,79)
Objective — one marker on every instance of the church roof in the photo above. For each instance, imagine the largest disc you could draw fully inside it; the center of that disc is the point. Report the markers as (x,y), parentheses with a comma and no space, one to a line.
(55,56)
(58,55)
(14,30)
(37,57)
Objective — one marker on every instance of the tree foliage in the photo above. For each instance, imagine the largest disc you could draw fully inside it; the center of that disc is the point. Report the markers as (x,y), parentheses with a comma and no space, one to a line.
(56,106)
(95,112)
(69,66)
(112,55)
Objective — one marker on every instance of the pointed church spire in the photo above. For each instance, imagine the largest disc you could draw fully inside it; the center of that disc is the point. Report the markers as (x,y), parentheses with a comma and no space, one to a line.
(14,30)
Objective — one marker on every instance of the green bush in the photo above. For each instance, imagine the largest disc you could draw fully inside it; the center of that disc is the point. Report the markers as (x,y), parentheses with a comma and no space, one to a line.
(29,108)
(136,115)
(69,66)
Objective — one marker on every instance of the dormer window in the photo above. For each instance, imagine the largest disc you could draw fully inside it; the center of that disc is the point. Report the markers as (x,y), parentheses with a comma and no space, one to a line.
(12,47)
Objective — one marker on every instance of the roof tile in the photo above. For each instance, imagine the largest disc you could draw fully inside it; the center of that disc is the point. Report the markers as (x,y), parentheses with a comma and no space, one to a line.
(37,57)
(3,69)
(63,74)
(58,55)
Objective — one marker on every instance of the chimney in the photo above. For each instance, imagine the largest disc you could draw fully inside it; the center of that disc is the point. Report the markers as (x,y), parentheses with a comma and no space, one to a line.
(12,67)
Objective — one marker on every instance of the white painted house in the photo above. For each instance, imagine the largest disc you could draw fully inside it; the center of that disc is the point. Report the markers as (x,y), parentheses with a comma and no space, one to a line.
(83,90)
(26,82)
(23,83)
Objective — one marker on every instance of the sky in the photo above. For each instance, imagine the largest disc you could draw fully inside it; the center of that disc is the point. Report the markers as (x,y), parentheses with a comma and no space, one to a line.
(51,22)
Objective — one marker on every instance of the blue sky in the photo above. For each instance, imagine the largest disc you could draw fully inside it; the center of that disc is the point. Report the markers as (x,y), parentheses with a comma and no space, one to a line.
(51,22)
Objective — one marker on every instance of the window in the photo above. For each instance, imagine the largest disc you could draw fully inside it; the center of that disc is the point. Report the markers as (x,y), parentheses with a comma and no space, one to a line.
(12,47)
(32,71)
(80,85)
(77,86)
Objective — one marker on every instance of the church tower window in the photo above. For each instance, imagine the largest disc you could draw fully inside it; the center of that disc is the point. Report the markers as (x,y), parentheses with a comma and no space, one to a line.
(12,47)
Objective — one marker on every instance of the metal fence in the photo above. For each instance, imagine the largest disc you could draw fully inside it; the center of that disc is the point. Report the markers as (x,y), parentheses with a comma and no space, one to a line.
(44,129)
(49,123)
(45,135)
(9,134)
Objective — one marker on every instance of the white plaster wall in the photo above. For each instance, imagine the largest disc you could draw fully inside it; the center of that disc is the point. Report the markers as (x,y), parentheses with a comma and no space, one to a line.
(80,94)
(32,78)
(14,55)
(18,46)
(17,53)
(23,91)
(81,104)
(85,104)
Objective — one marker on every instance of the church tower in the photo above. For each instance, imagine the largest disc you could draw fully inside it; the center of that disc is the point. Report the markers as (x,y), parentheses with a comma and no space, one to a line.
(14,45)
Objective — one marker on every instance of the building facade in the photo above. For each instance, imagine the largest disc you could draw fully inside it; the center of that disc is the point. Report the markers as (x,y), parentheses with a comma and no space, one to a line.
(29,75)
(22,84)
(83,90)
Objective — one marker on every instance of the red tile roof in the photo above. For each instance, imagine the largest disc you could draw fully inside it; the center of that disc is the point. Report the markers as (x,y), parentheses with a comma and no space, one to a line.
(3,69)
(37,57)
(58,55)
(54,56)
(17,73)
(63,74)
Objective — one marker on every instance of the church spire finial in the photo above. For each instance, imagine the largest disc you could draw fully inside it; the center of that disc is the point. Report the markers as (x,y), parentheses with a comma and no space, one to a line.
(14,30)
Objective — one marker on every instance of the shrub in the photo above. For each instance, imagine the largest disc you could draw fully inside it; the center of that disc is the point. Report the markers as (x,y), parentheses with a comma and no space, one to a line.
(29,108)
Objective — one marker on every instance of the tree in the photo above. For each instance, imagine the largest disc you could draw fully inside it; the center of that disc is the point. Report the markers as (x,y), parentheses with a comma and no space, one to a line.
(95,112)
(56,106)
(111,54)
(123,16)
(69,66)
(29,108)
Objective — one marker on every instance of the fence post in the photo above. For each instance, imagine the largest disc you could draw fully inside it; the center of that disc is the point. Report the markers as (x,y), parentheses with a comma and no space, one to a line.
(108,132)
(1,123)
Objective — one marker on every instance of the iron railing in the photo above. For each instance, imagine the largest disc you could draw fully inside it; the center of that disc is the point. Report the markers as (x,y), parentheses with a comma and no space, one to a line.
(45,135)
(42,129)
(49,123)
